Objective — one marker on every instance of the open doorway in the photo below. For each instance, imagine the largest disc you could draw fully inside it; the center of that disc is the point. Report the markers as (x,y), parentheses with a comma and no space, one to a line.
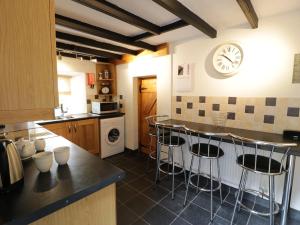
(147,105)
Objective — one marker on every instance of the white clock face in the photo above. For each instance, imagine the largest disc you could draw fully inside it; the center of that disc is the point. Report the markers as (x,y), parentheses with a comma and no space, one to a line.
(105,90)
(228,58)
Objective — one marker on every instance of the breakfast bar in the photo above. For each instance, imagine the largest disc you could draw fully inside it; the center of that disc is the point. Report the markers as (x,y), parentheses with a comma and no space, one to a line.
(255,135)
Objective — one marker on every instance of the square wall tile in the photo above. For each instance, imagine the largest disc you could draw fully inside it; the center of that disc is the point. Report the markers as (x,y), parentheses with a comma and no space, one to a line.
(201,113)
(293,112)
(178,98)
(231,116)
(202,99)
(270,101)
(269,119)
(249,109)
(178,110)
(232,100)
(189,105)
(216,107)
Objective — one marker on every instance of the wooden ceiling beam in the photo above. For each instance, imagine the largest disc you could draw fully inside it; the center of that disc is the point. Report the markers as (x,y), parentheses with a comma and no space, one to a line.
(94,43)
(249,12)
(100,32)
(121,14)
(188,16)
(89,51)
(169,27)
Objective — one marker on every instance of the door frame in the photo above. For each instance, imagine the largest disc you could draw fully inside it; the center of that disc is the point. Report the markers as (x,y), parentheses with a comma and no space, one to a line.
(139,81)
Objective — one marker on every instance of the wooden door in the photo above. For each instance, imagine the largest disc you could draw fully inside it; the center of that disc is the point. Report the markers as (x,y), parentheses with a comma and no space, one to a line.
(63,129)
(86,134)
(147,107)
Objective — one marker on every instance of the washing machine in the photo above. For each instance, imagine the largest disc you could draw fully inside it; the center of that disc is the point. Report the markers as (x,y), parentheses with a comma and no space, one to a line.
(112,136)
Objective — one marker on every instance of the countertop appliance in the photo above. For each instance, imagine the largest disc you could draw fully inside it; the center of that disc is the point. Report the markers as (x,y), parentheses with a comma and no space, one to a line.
(112,136)
(104,107)
(11,168)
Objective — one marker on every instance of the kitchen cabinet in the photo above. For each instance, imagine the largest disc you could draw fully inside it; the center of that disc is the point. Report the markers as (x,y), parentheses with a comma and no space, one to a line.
(28,87)
(84,133)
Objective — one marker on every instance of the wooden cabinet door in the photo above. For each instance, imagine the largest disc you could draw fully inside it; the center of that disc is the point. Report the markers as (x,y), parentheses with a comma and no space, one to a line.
(28,87)
(86,134)
(63,129)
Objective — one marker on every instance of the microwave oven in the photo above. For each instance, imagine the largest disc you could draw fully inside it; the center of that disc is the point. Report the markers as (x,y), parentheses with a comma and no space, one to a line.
(105,107)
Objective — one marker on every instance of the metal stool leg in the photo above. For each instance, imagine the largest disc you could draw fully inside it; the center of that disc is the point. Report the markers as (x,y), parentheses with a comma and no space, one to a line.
(189,180)
(244,182)
(238,196)
(198,177)
(183,165)
(173,171)
(157,175)
(219,178)
(271,199)
(149,155)
(211,190)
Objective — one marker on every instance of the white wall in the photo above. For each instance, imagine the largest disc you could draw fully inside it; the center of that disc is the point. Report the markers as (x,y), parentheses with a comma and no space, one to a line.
(267,66)
(266,71)
(127,75)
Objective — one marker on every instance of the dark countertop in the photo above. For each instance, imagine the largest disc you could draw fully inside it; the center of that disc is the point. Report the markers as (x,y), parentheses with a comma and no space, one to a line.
(256,135)
(82,116)
(44,193)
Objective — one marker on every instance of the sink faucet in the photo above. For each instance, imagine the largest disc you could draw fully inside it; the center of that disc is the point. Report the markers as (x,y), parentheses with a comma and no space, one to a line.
(63,111)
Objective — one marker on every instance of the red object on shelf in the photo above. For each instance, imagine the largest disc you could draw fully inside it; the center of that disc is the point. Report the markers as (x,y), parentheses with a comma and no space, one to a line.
(91,79)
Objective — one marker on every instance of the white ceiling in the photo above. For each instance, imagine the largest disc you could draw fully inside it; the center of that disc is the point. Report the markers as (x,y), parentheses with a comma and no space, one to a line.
(220,14)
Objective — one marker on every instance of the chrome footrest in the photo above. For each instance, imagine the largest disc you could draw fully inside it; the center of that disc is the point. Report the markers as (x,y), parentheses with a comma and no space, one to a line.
(169,171)
(261,195)
(207,176)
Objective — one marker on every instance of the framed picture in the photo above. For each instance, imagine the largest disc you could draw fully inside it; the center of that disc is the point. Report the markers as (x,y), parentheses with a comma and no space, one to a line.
(184,71)
(183,77)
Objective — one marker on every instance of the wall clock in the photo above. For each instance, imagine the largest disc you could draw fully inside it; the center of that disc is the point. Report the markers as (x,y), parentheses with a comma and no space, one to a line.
(227,59)
(105,90)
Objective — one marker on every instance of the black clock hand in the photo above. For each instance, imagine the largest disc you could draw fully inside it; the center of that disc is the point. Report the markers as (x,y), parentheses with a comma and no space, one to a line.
(227,58)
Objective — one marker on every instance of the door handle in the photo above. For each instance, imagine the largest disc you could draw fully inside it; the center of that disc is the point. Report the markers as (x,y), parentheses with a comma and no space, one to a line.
(69,128)
(75,128)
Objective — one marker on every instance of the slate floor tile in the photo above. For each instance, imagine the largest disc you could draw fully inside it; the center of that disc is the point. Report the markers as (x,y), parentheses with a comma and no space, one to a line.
(175,205)
(140,184)
(203,200)
(159,215)
(156,193)
(140,204)
(180,221)
(140,222)
(195,215)
(125,216)
(125,193)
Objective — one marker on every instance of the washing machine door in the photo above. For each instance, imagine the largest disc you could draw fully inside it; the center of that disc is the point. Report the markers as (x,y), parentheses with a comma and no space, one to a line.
(112,136)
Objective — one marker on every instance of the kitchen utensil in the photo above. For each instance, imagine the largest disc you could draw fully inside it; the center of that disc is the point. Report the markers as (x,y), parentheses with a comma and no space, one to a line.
(43,161)
(40,144)
(62,154)
(11,169)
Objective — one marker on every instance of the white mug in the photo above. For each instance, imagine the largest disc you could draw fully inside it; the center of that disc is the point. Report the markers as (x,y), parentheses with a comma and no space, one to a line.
(40,144)
(28,150)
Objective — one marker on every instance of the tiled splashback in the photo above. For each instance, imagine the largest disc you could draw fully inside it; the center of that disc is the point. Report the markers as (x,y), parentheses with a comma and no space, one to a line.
(253,113)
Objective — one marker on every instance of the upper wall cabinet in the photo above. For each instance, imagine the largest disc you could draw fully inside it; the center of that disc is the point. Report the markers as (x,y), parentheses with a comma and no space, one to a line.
(28,77)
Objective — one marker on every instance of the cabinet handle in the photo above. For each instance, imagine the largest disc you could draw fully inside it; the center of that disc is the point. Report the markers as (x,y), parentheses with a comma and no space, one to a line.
(75,128)
(69,128)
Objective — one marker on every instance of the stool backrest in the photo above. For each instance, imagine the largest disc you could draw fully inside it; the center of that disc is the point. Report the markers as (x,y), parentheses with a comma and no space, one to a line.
(151,120)
(208,137)
(254,145)
(166,132)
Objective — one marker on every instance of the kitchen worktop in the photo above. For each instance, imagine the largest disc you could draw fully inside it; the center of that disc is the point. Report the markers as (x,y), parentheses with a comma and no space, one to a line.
(251,134)
(44,193)
(82,116)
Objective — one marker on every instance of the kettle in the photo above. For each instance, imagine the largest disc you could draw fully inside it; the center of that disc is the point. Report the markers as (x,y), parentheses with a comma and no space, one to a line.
(11,168)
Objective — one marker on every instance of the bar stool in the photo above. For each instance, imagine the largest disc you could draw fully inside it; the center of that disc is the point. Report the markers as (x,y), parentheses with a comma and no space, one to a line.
(151,120)
(170,135)
(259,164)
(204,149)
